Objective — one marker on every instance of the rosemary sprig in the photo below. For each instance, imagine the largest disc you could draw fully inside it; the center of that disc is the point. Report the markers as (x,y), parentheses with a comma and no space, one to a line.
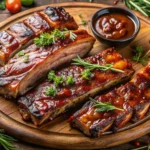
(46,39)
(142,6)
(139,57)
(142,147)
(78,61)
(100,106)
(6,141)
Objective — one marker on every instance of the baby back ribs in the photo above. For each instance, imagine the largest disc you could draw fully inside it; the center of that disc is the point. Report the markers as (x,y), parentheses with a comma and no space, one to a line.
(21,34)
(40,107)
(133,98)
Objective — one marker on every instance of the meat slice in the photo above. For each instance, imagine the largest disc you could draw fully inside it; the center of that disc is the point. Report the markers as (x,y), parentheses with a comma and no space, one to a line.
(57,17)
(133,98)
(7,44)
(39,107)
(32,64)
(21,34)
(37,24)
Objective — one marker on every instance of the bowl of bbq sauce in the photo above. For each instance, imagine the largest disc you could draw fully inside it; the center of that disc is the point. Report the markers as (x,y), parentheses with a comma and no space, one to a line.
(115,26)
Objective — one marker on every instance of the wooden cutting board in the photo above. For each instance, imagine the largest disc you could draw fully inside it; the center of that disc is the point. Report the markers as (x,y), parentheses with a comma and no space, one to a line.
(58,133)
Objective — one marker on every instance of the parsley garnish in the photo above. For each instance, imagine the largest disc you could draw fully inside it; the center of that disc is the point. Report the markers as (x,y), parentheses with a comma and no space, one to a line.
(51,91)
(138,57)
(51,75)
(46,39)
(79,62)
(58,80)
(21,53)
(26,59)
(6,141)
(103,106)
(86,74)
(83,20)
(69,80)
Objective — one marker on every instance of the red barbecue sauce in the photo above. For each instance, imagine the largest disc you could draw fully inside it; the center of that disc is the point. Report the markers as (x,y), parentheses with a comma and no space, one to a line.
(115,26)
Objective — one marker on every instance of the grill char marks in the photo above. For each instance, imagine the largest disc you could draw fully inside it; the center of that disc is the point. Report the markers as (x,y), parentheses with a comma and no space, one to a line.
(20,73)
(21,34)
(39,107)
(132,97)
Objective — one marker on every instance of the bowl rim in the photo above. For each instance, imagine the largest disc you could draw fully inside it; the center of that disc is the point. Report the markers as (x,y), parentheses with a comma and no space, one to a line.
(118,40)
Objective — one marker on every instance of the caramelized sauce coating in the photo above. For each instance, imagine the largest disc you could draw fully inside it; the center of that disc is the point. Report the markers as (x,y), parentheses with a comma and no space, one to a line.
(131,96)
(21,32)
(58,14)
(57,17)
(7,44)
(38,103)
(16,69)
(37,24)
(115,26)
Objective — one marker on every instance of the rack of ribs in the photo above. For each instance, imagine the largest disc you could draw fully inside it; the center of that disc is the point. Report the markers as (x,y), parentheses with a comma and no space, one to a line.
(39,107)
(132,97)
(20,35)
(22,72)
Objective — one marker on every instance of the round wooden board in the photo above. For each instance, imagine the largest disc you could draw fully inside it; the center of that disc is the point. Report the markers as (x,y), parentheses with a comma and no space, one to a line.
(58,134)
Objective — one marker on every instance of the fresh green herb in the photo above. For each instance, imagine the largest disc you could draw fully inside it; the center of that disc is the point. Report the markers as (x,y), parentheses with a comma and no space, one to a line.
(78,61)
(26,59)
(143,147)
(83,20)
(142,6)
(58,80)
(51,75)
(46,39)
(69,80)
(86,74)
(100,106)
(21,53)
(138,57)
(51,91)
(6,141)
(2,5)
(72,36)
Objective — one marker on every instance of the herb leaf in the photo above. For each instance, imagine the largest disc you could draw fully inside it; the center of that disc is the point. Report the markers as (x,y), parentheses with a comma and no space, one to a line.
(21,53)
(6,141)
(51,75)
(100,106)
(26,59)
(58,80)
(138,57)
(51,91)
(86,74)
(83,20)
(69,80)
(78,61)
(142,6)
(46,39)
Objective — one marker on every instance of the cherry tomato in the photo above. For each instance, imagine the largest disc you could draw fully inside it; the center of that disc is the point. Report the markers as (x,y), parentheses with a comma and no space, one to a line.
(13,6)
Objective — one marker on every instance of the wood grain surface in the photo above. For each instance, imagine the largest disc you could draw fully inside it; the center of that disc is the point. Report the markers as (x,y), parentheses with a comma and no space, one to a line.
(60,125)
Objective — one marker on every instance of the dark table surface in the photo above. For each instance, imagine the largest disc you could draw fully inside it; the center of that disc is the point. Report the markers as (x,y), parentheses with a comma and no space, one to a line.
(25,146)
